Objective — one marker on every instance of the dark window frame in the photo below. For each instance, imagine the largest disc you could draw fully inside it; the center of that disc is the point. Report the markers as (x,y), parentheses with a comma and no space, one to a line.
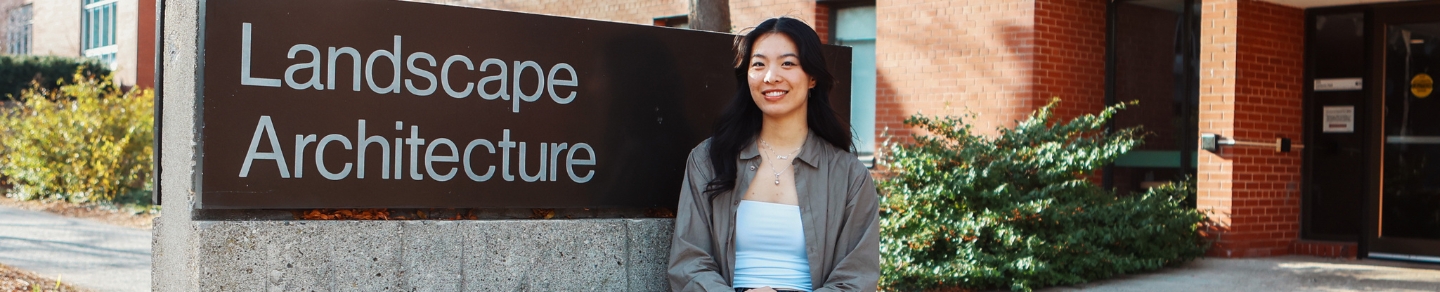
(672,20)
(1191,18)
(834,8)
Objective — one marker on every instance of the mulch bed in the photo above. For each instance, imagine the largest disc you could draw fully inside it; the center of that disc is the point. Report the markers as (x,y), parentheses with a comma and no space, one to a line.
(16,280)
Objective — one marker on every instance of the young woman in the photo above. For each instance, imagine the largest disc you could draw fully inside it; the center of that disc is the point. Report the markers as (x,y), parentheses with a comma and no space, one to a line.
(774,200)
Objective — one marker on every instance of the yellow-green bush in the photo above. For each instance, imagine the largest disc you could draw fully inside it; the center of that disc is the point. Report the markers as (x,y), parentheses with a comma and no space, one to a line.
(88,141)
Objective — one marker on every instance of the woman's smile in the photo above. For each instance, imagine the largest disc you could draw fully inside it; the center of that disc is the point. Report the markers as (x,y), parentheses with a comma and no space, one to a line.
(774,94)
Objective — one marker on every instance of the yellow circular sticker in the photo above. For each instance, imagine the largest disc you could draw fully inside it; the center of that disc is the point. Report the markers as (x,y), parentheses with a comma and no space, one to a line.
(1422,85)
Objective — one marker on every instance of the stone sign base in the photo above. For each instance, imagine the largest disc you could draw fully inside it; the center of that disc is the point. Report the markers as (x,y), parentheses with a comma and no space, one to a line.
(499,255)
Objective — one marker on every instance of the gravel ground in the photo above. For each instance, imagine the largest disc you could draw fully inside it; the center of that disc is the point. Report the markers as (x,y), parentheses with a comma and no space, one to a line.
(16,280)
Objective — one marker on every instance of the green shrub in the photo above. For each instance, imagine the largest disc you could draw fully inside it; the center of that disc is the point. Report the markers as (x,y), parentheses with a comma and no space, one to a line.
(1017,211)
(87,141)
(17,72)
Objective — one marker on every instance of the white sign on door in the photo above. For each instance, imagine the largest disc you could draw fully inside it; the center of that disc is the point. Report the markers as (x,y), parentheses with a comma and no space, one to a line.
(1338,84)
(1339,119)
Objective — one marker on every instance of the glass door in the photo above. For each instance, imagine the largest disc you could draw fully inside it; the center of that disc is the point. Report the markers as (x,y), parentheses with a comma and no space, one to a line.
(1409,205)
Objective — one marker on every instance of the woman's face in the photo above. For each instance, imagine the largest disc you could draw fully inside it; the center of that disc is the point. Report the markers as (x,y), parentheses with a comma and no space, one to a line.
(777,83)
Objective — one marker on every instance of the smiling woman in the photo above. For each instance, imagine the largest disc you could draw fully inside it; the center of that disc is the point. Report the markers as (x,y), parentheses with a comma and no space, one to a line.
(776,200)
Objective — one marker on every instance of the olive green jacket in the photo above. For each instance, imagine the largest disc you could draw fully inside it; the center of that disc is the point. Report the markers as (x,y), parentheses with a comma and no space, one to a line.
(839,208)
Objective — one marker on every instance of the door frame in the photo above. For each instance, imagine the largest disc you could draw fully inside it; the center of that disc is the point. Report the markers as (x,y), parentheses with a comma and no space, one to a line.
(1312,129)
(1378,18)
(1377,22)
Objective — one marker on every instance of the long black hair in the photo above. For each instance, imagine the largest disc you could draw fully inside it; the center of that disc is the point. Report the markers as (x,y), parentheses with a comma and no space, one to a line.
(740,122)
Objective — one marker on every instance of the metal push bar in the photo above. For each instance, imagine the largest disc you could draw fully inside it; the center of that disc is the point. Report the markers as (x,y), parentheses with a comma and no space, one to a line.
(1212,142)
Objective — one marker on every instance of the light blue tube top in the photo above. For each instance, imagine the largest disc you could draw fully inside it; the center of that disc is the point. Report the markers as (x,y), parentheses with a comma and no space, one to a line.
(770,247)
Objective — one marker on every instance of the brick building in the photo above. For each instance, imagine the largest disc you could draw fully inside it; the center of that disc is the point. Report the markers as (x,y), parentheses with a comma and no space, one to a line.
(119,32)
(1345,80)
(1243,70)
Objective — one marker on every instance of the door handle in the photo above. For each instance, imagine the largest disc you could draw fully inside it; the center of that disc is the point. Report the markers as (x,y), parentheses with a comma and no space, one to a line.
(1212,142)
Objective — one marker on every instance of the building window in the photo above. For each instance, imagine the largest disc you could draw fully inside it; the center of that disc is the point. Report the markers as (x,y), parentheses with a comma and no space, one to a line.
(17,32)
(855,28)
(98,30)
(1156,51)
(676,21)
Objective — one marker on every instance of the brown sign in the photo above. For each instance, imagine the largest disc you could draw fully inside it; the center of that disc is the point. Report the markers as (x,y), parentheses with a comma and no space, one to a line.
(389,104)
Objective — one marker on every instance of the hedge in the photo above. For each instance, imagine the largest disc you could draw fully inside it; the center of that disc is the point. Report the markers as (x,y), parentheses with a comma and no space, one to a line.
(1018,210)
(18,71)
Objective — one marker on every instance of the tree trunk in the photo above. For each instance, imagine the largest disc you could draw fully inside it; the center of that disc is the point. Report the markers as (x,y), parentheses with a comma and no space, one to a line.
(711,15)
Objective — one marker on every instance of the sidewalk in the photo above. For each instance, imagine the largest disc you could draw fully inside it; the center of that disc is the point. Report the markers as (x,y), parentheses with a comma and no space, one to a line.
(1284,273)
(82,253)
(103,257)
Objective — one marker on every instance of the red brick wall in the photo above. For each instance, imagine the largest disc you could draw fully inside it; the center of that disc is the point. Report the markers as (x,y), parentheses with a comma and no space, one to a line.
(1251,88)
(1070,55)
(950,58)
(1329,249)
(636,11)
(145,45)
(745,14)
(1000,59)
(822,22)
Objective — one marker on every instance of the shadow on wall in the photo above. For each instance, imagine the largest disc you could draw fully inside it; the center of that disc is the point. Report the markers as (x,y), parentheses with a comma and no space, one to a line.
(998,91)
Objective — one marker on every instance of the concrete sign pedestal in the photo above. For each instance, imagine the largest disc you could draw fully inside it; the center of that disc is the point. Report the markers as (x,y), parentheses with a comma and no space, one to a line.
(501,255)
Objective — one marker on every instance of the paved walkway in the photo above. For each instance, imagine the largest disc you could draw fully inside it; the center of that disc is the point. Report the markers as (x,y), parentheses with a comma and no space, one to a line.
(109,258)
(1285,273)
(83,253)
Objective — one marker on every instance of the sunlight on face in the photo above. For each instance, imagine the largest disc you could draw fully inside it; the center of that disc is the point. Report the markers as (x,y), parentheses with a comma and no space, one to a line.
(778,85)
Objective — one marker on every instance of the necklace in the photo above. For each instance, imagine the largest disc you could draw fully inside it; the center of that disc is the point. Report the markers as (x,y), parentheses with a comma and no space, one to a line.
(779,158)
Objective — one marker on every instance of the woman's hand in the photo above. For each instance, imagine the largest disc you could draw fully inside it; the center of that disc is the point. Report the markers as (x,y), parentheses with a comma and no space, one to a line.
(762,289)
